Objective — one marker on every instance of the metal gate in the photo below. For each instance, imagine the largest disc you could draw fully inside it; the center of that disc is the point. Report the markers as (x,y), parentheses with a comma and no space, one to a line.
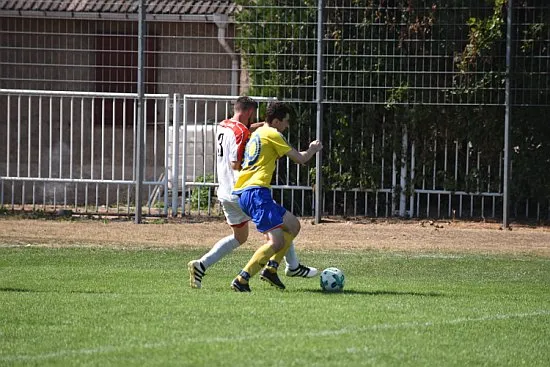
(75,151)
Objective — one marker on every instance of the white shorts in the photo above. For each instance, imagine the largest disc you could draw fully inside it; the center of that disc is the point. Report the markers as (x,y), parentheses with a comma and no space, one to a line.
(234,215)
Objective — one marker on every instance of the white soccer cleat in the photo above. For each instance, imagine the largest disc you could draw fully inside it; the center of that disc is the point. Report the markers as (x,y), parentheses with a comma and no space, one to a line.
(196,272)
(301,271)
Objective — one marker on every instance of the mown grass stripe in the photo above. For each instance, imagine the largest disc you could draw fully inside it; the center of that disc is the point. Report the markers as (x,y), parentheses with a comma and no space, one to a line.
(319,333)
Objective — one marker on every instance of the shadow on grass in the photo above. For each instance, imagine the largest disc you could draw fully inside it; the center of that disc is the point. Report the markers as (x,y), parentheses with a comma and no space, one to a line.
(25,290)
(378,293)
(22,290)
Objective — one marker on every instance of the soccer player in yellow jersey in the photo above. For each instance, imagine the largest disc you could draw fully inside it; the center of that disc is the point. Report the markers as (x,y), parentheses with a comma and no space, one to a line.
(253,187)
(232,136)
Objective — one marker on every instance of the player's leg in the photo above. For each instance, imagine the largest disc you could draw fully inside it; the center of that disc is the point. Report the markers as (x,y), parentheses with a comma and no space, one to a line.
(258,260)
(269,273)
(262,255)
(197,268)
(293,266)
(291,227)
(291,257)
(268,217)
(238,221)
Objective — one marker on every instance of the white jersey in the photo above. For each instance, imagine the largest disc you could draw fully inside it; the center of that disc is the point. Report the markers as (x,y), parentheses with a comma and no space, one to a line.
(231,136)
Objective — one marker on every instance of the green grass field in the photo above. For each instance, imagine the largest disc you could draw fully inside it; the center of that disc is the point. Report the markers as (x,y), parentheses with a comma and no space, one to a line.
(108,307)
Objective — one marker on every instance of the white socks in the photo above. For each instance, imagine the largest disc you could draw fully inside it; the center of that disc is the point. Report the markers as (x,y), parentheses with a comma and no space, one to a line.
(229,243)
(220,249)
(291,257)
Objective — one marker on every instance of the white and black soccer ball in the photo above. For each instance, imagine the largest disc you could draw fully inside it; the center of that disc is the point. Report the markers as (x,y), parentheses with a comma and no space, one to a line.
(332,280)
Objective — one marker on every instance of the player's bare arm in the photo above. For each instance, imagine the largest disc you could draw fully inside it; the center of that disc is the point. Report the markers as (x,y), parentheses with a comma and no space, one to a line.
(236,166)
(304,156)
(255,126)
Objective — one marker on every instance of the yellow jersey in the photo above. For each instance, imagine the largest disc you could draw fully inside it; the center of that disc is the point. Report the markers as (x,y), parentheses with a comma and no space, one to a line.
(265,146)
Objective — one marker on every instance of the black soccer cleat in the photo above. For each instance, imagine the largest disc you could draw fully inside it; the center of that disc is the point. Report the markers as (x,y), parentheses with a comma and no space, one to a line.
(239,287)
(272,278)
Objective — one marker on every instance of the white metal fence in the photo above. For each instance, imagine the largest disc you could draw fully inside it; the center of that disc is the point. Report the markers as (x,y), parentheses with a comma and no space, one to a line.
(60,150)
(75,150)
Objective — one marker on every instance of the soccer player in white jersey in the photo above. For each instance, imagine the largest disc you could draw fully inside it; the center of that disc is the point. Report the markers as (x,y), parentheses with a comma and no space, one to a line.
(232,136)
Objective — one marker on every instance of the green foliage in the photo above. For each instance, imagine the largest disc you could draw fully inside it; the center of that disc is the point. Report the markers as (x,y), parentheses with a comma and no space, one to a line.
(278,41)
(484,33)
(202,196)
(158,204)
(397,96)
(158,221)
(531,35)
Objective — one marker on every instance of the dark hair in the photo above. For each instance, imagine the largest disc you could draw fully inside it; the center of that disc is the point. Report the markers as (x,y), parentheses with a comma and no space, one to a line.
(244,103)
(277,110)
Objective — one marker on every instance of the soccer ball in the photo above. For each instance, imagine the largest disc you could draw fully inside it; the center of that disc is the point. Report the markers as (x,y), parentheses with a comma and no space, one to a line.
(332,280)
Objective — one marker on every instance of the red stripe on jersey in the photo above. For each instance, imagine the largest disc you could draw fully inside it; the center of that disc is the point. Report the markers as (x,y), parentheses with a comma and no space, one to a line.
(241,135)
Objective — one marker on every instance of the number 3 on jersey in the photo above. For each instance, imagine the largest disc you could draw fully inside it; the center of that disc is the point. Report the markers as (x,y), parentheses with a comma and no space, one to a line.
(220,146)
(252,151)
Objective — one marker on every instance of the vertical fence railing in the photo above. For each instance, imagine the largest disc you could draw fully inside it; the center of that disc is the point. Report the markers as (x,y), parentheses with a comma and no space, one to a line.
(58,155)
(62,145)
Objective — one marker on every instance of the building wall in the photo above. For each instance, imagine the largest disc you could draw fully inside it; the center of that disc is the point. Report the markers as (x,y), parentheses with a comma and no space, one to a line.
(55,137)
(60,54)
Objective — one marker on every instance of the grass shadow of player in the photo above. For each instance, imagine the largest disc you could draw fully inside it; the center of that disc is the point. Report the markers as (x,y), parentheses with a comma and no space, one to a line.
(27,290)
(378,293)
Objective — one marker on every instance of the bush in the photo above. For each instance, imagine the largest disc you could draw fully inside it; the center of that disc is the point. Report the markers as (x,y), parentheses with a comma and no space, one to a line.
(202,195)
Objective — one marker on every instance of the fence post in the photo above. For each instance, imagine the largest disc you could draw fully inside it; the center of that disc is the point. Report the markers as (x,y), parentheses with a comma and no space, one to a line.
(184,155)
(319,125)
(176,115)
(403,172)
(507,115)
(166,152)
(412,185)
(141,112)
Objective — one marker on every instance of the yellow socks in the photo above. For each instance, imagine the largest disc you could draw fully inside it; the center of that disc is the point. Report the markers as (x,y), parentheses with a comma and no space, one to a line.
(261,257)
(278,256)
(257,262)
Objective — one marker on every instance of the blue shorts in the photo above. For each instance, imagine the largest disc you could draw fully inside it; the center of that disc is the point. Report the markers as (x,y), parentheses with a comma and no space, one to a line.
(259,205)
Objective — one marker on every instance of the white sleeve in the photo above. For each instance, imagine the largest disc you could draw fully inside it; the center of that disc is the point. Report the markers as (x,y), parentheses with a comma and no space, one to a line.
(233,148)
